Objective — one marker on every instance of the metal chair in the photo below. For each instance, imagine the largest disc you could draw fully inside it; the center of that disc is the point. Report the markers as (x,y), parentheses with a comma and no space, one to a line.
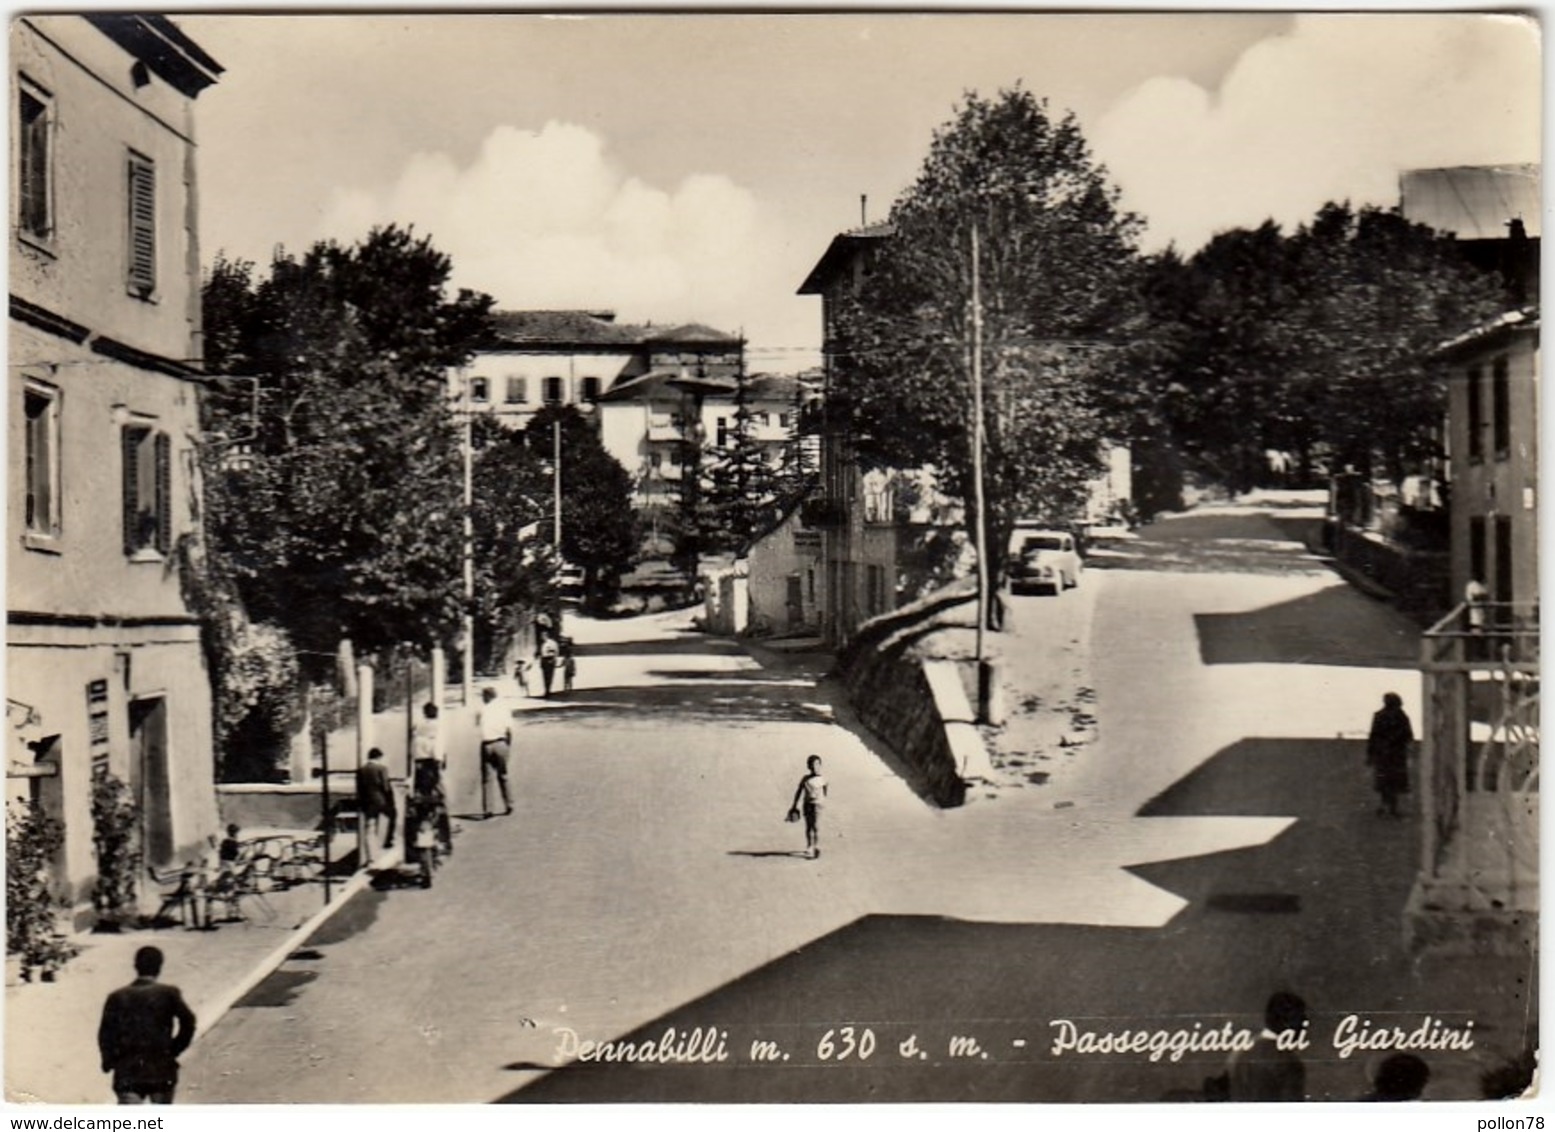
(176,889)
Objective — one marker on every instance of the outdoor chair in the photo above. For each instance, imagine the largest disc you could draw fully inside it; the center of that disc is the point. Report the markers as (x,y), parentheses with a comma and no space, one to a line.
(176,888)
(249,878)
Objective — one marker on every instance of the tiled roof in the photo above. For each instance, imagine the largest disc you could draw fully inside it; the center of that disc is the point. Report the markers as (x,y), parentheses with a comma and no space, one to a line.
(574,328)
(1473,202)
(1511,322)
(559,328)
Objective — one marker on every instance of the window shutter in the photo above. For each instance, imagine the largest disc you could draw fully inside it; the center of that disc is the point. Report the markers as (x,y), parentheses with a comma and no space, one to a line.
(164,456)
(143,225)
(128,450)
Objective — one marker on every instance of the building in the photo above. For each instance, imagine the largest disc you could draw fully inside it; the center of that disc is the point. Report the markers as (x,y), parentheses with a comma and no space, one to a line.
(1478,885)
(648,423)
(536,359)
(856,519)
(105,668)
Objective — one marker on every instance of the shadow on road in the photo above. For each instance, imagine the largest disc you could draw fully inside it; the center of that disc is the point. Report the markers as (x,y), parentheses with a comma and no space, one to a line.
(799,853)
(728,700)
(1316,910)
(1319,628)
(691,643)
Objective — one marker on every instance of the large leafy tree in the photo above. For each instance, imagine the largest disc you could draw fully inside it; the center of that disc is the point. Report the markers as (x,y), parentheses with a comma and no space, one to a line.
(1058,288)
(1313,343)
(334,486)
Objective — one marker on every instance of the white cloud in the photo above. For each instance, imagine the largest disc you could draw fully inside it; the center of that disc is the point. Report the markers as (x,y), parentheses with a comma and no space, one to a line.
(1334,110)
(546,220)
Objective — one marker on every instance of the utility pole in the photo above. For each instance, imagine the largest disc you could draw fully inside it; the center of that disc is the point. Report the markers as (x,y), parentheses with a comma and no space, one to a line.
(468,446)
(556,466)
(985,675)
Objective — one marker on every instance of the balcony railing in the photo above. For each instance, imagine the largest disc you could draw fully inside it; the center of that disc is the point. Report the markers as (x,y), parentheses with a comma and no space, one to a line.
(1485,635)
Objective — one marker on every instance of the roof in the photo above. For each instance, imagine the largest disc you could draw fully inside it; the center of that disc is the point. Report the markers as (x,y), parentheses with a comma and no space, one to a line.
(1473,202)
(1492,331)
(840,252)
(580,329)
(158,43)
(645,386)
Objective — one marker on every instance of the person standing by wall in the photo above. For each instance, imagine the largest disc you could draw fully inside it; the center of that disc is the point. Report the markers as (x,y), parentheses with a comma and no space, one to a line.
(375,799)
(145,1027)
(1387,752)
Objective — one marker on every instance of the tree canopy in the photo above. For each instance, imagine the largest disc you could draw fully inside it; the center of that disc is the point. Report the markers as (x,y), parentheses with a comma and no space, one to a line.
(1313,343)
(333,485)
(1058,288)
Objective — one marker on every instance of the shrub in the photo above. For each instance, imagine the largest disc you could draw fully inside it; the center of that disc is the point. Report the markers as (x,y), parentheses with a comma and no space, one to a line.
(115,821)
(32,838)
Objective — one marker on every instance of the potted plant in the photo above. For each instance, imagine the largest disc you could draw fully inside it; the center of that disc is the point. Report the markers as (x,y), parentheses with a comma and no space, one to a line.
(32,934)
(115,820)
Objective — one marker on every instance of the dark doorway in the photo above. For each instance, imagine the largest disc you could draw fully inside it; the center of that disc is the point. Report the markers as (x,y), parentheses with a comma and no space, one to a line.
(148,746)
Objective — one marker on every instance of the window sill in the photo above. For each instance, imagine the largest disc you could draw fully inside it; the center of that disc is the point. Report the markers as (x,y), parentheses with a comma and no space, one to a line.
(43,544)
(43,245)
(147,554)
(143,295)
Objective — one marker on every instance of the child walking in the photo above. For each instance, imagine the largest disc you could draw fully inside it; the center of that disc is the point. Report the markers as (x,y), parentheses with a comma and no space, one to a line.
(808,800)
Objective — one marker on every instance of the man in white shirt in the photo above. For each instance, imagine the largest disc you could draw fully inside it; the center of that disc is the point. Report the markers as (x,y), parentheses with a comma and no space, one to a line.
(496,724)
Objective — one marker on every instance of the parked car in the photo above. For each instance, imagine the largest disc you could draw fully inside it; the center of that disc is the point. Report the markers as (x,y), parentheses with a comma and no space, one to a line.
(1044,560)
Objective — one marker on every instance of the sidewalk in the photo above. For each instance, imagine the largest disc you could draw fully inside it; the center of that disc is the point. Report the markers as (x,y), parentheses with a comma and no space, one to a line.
(51,1028)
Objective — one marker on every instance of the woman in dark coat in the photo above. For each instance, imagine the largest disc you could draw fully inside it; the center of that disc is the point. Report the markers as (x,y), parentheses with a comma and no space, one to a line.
(1387,752)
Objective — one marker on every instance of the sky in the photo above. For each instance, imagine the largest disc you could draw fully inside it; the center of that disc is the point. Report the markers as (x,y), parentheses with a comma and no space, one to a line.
(693,167)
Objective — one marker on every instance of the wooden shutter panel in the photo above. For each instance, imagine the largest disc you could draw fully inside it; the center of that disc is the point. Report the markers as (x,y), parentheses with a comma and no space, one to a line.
(143,225)
(129,444)
(164,455)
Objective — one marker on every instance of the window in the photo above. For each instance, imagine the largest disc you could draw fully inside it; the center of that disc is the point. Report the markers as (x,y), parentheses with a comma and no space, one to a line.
(1476,418)
(148,494)
(551,390)
(34,153)
(517,391)
(1477,548)
(591,389)
(480,390)
(40,406)
(723,432)
(142,226)
(1501,409)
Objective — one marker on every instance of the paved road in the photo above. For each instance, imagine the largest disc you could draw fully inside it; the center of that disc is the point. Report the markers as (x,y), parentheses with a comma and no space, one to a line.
(647,882)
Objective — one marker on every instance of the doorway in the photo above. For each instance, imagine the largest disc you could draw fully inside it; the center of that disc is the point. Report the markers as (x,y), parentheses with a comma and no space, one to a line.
(148,747)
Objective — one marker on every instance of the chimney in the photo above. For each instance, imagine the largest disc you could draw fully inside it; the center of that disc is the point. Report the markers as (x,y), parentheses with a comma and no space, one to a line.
(863,210)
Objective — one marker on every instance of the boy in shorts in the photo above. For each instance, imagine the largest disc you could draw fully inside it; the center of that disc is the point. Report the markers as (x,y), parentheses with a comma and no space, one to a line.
(808,800)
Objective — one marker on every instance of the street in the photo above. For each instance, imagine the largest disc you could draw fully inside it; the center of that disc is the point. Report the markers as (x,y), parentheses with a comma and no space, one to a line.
(1214,842)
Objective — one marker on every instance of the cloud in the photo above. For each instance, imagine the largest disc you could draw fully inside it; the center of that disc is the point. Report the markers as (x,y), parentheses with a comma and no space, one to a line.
(1336,109)
(546,220)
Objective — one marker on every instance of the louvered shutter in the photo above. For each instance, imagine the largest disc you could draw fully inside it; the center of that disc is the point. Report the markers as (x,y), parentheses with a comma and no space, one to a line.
(164,456)
(143,225)
(129,451)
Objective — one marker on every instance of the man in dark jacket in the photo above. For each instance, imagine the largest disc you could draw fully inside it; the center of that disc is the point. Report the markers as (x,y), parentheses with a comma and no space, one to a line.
(375,799)
(1387,750)
(145,1027)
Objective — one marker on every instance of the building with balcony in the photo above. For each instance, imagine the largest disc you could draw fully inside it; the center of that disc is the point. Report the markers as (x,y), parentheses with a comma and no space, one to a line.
(105,671)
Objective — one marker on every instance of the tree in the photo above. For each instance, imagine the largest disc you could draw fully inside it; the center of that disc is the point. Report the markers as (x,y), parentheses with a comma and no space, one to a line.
(1057,280)
(599,527)
(1313,343)
(333,491)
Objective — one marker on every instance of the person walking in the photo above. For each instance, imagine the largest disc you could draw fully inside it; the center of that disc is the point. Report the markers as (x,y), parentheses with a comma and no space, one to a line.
(549,653)
(375,799)
(569,665)
(496,724)
(145,1027)
(1387,752)
(808,800)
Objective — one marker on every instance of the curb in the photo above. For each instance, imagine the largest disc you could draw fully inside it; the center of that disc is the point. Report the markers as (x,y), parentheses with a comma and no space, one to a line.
(211,1013)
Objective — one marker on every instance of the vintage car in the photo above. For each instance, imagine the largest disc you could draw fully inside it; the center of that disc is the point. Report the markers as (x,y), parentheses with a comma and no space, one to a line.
(1043,560)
